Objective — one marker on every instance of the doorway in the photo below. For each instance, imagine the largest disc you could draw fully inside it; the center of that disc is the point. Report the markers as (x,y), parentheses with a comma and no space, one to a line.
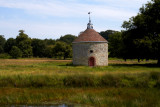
(91,61)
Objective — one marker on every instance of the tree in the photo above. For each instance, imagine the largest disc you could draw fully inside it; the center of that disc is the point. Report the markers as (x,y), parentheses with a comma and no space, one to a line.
(24,44)
(39,47)
(8,45)
(144,30)
(115,45)
(49,41)
(49,51)
(106,34)
(67,38)
(61,49)
(2,42)
(15,52)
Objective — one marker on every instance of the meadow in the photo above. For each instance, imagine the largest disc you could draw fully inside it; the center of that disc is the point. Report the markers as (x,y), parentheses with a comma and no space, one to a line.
(48,81)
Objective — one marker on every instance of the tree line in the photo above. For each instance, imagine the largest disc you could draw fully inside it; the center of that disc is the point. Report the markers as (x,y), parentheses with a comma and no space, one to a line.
(24,47)
(140,39)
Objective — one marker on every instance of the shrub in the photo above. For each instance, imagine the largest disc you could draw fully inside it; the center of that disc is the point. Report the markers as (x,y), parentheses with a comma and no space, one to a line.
(5,56)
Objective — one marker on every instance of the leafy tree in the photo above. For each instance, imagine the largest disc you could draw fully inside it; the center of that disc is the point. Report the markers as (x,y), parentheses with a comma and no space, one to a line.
(15,52)
(68,52)
(143,31)
(49,51)
(2,42)
(24,44)
(115,45)
(38,47)
(107,33)
(129,48)
(8,45)
(67,38)
(61,49)
(49,41)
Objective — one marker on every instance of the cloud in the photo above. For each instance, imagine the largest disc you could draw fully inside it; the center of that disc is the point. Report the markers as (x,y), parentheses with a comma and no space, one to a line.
(130,3)
(69,9)
(65,16)
(39,30)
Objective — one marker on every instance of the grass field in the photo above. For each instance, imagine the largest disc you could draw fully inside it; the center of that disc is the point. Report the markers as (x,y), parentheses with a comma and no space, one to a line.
(35,81)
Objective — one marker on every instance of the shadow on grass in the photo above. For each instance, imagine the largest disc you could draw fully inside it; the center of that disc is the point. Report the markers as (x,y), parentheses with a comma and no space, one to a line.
(68,64)
(119,65)
(150,65)
(133,65)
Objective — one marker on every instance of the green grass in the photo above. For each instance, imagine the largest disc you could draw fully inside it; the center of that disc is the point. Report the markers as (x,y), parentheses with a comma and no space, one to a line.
(122,97)
(36,81)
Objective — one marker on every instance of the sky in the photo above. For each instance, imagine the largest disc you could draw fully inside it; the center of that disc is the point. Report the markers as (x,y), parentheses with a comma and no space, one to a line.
(52,19)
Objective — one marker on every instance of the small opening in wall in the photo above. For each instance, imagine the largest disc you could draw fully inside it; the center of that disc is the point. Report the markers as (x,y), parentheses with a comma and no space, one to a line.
(91,51)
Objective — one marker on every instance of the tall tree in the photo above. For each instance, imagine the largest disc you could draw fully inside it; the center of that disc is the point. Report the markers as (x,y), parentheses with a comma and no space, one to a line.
(49,41)
(61,49)
(144,30)
(107,33)
(2,42)
(24,44)
(38,47)
(15,52)
(67,38)
(8,45)
(115,45)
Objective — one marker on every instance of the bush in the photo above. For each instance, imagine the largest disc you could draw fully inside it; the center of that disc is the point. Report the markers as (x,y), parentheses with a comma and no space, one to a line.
(5,56)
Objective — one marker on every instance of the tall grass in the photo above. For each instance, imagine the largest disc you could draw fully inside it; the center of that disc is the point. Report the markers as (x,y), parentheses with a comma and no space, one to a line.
(98,97)
(55,73)
(143,80)
(123,84)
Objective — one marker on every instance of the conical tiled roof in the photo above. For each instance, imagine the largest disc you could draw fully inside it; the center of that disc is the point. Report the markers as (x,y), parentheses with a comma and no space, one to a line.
(90,35)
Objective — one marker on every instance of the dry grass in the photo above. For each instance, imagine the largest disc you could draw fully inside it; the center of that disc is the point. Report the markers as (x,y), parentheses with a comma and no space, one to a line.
(4,62)
(137,87)
(98,97)
(64,67)
(41,60)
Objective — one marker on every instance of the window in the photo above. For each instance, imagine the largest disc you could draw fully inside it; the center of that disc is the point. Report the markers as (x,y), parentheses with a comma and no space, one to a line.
(91,51)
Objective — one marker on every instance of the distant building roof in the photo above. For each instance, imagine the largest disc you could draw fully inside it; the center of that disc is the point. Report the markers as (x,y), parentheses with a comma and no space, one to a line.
(90,35)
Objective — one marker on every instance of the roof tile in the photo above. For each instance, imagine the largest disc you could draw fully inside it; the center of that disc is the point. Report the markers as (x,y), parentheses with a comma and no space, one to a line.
(90,35)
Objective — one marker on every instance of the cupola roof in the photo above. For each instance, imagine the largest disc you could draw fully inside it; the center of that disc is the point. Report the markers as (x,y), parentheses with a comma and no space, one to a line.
(90,35)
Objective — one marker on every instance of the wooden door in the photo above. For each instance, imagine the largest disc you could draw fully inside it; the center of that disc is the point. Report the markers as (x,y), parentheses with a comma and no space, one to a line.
(91,61)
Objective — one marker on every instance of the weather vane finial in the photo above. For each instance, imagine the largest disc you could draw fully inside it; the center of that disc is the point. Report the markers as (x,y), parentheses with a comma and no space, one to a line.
(89,25)
(89,16)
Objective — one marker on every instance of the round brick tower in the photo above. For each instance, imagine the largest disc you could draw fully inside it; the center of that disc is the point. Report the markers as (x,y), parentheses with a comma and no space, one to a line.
(90,48)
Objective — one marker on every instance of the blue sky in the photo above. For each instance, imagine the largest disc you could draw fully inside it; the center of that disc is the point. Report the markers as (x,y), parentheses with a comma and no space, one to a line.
(54,18)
